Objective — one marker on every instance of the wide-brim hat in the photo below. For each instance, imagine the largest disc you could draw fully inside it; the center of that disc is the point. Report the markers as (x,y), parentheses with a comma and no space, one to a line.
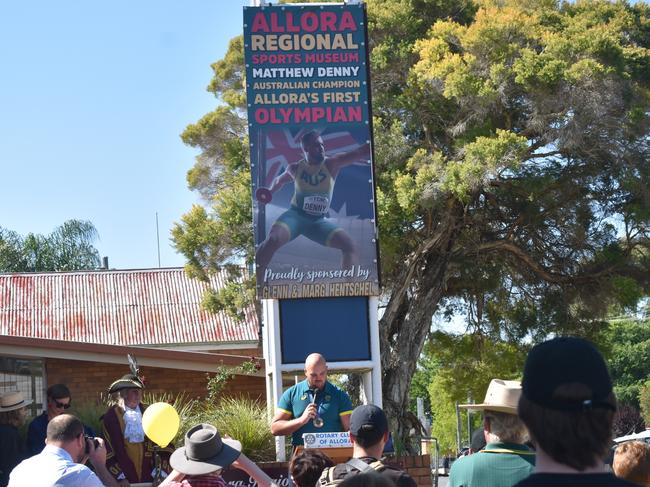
(204,451)
(128,381)
(10,401)
(501,396)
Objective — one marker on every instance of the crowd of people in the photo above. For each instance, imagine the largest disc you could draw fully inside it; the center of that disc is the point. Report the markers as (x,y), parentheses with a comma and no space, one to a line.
(554,428)
(58,445)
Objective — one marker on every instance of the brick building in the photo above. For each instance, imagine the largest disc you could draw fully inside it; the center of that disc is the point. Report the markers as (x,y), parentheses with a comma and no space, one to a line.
(77,327)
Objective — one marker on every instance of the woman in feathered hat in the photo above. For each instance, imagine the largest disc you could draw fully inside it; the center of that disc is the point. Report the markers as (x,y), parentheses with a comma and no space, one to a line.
(130,453)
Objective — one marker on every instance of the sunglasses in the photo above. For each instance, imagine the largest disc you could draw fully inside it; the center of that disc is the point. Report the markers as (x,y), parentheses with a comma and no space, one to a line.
(60,405)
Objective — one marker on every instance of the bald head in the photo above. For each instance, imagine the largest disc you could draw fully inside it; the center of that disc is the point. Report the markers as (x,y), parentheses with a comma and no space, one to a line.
(316,370)
(64,429)
(315,359)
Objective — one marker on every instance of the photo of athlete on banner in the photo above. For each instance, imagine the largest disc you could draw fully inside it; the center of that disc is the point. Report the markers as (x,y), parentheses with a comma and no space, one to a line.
(295,195)
(313,178)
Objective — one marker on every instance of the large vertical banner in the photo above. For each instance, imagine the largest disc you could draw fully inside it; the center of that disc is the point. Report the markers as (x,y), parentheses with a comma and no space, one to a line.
(311,158)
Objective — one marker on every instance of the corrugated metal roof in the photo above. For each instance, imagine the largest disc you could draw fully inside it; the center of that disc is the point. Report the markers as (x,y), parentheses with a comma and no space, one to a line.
(117,307)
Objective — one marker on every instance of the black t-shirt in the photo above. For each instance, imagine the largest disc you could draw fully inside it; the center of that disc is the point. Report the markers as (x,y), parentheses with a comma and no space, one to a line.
(574,480)
(397,476)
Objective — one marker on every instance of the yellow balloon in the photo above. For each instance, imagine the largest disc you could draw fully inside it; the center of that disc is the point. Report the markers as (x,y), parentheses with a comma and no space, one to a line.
(160,423)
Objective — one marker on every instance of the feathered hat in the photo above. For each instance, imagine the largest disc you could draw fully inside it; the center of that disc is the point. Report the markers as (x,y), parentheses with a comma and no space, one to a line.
(128,381)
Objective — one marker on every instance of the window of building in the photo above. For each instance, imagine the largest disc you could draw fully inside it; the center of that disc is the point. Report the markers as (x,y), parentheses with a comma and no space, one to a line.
(26,376)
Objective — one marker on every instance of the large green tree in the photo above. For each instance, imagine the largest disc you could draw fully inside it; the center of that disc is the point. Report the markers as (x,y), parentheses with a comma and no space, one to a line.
(69,247)
(466,365)
(511,151)
(626,344)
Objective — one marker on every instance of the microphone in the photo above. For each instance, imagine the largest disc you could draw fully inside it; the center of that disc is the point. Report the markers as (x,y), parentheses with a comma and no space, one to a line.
(317,421)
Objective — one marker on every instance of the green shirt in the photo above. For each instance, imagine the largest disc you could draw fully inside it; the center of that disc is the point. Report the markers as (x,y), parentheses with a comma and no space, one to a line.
(498,465)
(332,403)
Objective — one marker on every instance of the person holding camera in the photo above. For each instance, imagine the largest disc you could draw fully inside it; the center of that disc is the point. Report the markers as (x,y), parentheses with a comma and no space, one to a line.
(61,463)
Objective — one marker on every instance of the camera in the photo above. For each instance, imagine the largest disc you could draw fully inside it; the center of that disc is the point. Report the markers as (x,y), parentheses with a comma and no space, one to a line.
(88,439)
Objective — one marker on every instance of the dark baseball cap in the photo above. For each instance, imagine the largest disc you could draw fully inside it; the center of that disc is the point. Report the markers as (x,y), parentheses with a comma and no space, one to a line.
(563,361)
(368,422)
(478,440)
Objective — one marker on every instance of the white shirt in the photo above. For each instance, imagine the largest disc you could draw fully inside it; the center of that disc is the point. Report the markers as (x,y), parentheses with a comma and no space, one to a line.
(133,431)
(53,467)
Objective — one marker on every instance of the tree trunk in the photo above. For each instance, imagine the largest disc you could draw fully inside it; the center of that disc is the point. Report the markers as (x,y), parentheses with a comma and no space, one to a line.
(406,323)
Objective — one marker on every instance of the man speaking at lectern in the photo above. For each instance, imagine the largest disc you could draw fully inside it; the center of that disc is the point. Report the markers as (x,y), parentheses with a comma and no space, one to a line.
(313,405)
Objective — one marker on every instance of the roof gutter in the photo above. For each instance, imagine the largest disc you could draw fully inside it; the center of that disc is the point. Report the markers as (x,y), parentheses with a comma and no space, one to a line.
(116,354)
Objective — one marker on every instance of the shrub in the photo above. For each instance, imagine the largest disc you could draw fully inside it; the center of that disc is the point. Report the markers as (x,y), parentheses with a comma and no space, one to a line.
(242,419)
(90,412)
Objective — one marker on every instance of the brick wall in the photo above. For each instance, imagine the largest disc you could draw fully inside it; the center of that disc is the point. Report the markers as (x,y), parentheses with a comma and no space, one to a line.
(418,467)
(87,379)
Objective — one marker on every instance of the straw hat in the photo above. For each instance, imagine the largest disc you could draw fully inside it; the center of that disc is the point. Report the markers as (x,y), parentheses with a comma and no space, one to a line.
(10,401)
(502,396)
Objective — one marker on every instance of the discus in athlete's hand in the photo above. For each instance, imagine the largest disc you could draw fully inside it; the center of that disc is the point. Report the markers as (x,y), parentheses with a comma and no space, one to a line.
(263,195)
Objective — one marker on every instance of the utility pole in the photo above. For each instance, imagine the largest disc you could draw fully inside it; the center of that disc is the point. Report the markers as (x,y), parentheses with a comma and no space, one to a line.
(158,239)
(458,428)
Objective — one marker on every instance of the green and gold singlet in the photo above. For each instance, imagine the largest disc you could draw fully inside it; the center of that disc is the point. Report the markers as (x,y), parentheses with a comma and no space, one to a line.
(314,186)
(310,204)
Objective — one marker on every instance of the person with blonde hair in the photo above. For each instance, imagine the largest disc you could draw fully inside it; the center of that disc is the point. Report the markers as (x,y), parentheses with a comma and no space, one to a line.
(632,462)
(130,456)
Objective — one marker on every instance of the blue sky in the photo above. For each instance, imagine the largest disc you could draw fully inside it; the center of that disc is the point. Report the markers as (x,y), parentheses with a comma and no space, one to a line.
(93,99)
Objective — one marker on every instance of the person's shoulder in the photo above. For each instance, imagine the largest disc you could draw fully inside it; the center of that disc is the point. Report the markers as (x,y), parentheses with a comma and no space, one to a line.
(334,389)
(460,467)
(292,167)
(8,429)
(295,390)
(405,480)
(298,388)
(21,473)
(400,477)
(39,420)
(27,467)
(110,414)
(10,434)
(339,471)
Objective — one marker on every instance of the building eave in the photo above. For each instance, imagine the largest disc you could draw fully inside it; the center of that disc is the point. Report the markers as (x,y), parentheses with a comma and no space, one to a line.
(93,352)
